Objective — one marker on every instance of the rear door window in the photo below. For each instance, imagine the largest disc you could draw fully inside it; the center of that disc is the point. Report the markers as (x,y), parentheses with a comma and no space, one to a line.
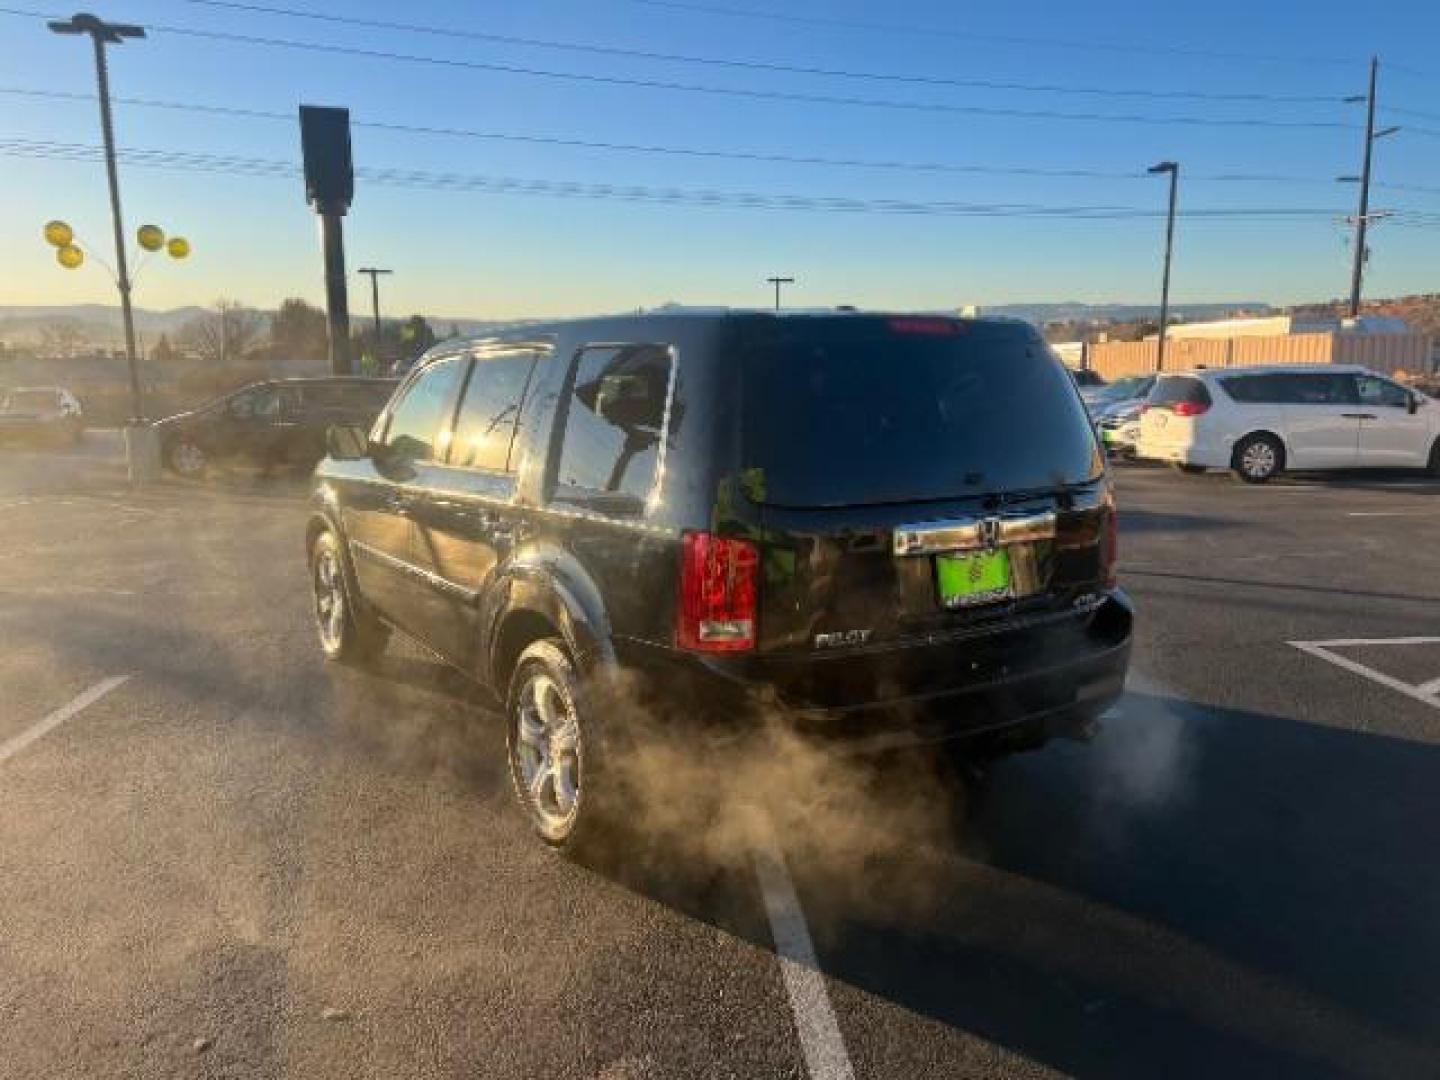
(1318,389)
(868,411)
(485,426)
(614,421)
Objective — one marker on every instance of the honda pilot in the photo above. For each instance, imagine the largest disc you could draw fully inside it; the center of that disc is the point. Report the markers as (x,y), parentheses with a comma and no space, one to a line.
(872,527)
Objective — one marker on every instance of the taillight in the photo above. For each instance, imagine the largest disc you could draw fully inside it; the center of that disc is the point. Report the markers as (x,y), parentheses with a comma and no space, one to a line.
(716,605)
(1110,544)
(1189,408)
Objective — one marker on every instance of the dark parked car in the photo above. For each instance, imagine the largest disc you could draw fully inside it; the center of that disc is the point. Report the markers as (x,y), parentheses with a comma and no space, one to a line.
(871,525)
(40,414)
(270,424)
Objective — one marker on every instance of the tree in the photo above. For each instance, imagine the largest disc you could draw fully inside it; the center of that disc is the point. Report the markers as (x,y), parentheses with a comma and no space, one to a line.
(164,353)
(416,335)
(223,336)
(62,337)
(299,331)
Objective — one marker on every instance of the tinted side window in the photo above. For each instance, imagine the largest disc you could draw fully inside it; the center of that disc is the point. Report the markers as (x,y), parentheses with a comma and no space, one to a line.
(489,411)
(421,417)
(616,410)
(1382,393)
(1316,389)
(1251,389)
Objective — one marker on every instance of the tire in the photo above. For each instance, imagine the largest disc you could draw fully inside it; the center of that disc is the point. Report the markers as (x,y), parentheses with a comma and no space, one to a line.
(346,635)
(553,747)
(1258,458)
(186,458)
(1433,467)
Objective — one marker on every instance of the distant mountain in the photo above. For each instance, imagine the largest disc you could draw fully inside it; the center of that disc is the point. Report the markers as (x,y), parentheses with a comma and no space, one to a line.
(100,323)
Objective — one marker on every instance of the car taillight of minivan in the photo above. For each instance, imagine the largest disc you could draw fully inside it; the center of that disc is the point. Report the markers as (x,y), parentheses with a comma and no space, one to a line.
(717,601)
(1190,408)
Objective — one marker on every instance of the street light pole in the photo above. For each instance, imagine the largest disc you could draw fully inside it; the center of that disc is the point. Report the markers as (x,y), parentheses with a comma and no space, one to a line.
(102,34)
(375,273)
(777,282)
(1173,168)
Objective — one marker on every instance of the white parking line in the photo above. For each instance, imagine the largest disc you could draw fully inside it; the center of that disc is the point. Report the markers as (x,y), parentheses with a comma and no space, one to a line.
(59,716)
(1387,513)
(1425,692)
(820,1040)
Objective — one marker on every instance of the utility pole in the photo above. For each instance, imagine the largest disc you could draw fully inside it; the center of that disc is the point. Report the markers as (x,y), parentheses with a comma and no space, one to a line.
(102,34)
(375,273)
(1173,168)
(1363,215)
(777,282)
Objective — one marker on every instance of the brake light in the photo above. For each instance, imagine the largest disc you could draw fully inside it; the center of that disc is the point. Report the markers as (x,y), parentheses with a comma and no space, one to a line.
(1110,544)
(941,327)
(716,605)
(1189,408)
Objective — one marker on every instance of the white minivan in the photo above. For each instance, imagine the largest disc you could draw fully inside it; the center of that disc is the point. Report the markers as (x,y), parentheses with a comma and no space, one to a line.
(1260,421)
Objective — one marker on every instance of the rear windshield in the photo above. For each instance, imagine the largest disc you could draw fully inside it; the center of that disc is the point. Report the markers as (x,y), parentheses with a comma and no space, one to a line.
(1173,389)
(851,413)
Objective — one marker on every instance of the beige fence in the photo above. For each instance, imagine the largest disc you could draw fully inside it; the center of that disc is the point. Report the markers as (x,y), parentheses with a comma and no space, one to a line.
(1381,352)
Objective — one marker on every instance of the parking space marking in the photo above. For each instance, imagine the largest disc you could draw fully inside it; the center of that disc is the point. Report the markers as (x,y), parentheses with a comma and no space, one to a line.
(59,716)
(1425,692)
(1386,513)
(815,1023)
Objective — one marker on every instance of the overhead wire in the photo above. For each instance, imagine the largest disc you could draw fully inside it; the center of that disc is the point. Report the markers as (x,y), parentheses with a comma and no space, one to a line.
(470,34)
(799,97)
(238,165)
(682,151)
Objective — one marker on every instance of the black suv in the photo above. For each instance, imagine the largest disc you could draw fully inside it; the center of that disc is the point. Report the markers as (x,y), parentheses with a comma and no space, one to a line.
(877,527)
(270,424)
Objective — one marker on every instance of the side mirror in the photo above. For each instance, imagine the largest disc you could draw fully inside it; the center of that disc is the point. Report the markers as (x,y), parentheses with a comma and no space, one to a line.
(347,442)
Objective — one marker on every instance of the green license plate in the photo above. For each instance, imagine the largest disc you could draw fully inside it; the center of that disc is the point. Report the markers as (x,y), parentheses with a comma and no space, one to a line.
(978,577)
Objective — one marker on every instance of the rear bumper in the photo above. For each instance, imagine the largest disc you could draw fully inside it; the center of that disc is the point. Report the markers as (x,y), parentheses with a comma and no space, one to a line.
(1186,449)
(1012,682)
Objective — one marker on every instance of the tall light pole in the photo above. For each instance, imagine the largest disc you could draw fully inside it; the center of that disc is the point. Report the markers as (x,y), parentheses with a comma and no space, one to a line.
(1173,168)
(375,273)
(1363,215)
(777,282)
(102,34)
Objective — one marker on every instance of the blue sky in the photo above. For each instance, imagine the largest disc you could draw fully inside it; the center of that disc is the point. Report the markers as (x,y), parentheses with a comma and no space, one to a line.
(467,253)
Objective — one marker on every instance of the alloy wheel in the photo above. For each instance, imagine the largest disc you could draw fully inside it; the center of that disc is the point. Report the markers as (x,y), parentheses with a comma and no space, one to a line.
(547,752)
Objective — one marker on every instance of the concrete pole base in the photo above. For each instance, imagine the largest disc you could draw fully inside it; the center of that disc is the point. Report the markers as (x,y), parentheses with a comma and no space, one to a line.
(142,453)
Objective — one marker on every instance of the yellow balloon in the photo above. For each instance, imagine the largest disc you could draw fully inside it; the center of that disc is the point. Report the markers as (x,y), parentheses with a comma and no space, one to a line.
(151,237)
(69,256)
(58,233)
(178,247)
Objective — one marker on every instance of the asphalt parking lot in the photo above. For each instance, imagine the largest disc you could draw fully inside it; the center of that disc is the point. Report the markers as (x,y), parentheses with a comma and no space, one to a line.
(220,856)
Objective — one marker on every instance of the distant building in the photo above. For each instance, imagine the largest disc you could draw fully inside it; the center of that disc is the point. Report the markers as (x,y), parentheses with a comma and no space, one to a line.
(1284,326)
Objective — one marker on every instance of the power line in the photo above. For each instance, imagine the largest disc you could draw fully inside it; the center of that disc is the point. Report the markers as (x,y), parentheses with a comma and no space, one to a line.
(235,165)
(969,35)
(762,65)
(681,151)
(728,91)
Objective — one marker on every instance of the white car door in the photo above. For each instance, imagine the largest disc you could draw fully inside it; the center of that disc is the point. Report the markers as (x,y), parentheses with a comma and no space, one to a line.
(1322,420)
(1396,431)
